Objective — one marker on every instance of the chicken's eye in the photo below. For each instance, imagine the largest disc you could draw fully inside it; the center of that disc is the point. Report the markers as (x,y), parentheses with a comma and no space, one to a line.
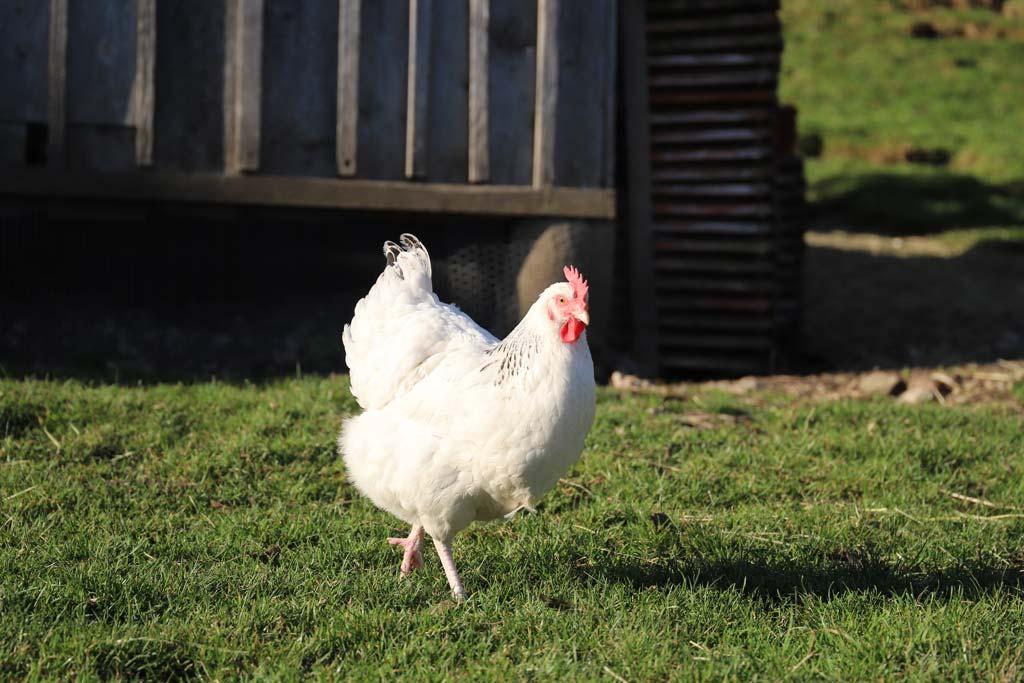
(561,299)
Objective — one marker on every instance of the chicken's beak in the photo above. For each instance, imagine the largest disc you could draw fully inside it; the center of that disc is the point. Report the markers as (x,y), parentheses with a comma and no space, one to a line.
(583,316)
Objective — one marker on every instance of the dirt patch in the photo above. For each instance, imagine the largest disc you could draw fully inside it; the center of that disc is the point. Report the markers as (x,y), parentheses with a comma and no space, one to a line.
(884,245)
(921,5)
(970,384)
(971,30)
(888,154)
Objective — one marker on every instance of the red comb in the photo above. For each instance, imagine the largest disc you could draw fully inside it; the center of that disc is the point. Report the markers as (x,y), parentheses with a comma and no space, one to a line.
(579,285)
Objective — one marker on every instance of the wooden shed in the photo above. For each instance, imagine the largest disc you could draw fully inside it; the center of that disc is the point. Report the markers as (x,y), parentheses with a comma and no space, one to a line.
(500,113)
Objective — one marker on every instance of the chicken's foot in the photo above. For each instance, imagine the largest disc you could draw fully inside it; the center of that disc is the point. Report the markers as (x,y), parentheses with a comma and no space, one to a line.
(412,559)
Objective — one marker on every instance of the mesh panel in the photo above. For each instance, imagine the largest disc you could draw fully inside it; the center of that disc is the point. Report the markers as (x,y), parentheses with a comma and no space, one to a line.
(475,273)
(495,278)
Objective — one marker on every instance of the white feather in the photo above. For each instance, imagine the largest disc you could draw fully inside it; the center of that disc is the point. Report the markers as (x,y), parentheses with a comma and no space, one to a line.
(458,427)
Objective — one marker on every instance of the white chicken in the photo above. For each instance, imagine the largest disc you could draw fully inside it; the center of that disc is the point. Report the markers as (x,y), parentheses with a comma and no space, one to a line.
(458,426)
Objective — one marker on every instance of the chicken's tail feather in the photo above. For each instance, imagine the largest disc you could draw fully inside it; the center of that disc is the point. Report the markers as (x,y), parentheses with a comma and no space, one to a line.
(412,245)
(391,252)
(409,255)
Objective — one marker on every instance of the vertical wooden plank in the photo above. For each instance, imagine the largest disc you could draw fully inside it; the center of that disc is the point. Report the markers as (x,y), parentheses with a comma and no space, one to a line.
(447,131)
(24,54)
(418,84)
(232,11)
(479,90)
(248,96)
(57,113)
(512,53)
(101,63)
(346,133)
(585,73)
(638,185)
(383,70)
(190,59)
(243,50)
(546,99)
(101,60)
(143,92)
(300,90)
(610,64)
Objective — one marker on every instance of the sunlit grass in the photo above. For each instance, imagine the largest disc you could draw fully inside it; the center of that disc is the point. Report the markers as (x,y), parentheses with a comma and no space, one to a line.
(207,530)
(873,95)
(870,89)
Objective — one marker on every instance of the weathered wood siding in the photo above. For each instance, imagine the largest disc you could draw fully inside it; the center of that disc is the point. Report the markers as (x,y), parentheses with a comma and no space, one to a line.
(511,79)
(464,92)
(24,27)
(99,77)
(188,131)
(300,70)
(383,69)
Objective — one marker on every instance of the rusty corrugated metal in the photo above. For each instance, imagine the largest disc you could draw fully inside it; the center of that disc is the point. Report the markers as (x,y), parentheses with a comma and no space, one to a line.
(726,188)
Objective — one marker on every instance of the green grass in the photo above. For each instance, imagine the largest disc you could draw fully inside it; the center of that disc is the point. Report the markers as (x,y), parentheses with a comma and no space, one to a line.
(870,91)
(207,530)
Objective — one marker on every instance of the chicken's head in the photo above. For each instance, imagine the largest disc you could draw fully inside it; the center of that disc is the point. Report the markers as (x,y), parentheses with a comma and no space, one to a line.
(567,306)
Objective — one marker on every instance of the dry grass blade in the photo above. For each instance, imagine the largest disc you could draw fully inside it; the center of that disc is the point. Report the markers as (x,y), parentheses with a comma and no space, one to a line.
(975,501)
(22,492)
(615,675)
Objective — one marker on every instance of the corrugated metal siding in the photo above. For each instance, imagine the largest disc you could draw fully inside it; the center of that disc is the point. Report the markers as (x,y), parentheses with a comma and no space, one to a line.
(726,190)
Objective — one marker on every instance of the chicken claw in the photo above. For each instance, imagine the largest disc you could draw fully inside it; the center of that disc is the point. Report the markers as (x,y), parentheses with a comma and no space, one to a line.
(412,559)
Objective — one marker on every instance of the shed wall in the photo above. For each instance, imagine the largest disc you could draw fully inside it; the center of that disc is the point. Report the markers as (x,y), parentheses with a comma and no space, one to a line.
(417,91)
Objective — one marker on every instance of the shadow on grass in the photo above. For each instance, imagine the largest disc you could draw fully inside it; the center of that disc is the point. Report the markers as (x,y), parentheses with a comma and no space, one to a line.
(849,572)
(882,310)
(916,204)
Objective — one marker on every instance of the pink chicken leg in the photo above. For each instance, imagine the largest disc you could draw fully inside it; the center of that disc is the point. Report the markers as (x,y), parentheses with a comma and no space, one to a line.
(412,559)
(445,553)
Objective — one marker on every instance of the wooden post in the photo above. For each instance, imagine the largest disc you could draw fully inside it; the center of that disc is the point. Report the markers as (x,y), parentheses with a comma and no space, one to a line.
(610,85)
(143,91)
(513,64)
(383,88)
(479,96)
(243,52)
(418,104)
(638,198)
(347,134)
(57,107)
(546,97)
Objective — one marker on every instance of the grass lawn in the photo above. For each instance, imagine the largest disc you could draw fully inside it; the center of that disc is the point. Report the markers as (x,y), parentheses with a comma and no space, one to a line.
(207,530)
(871,93)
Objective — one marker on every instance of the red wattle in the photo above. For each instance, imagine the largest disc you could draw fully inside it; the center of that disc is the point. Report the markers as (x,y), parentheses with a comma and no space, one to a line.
(571,330)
